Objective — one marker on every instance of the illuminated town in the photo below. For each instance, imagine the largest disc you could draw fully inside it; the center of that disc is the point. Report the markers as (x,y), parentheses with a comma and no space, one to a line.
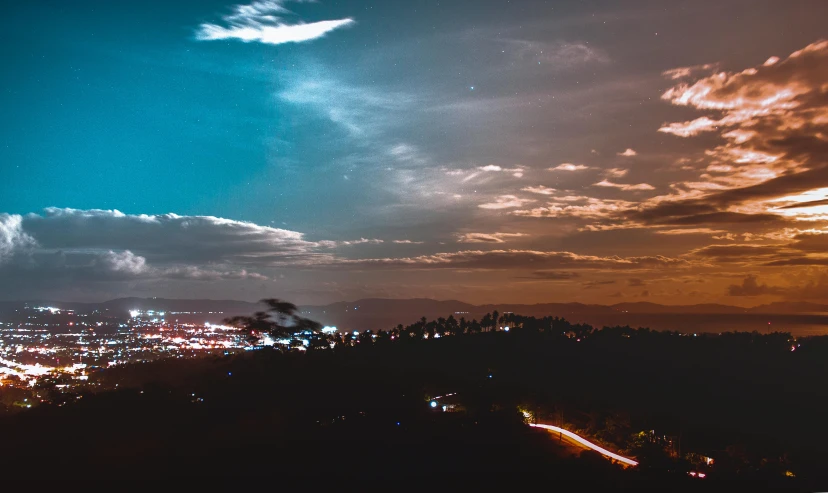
(60,348)
(47,345)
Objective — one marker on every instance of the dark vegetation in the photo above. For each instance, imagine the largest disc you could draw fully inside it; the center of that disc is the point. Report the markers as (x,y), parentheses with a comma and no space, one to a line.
(360,410)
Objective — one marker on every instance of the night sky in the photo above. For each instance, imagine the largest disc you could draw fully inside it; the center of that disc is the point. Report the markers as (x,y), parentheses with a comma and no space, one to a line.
(489,151)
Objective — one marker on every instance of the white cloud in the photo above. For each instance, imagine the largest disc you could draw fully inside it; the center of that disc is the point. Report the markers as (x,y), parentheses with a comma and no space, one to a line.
(12,237)
(690,128)
(516,172)
(361,241)
(617,172)
(166,238)
(263,22)
(124,262)
(505,202)
(569,167)
(628,153)
(623,186)
(407,242)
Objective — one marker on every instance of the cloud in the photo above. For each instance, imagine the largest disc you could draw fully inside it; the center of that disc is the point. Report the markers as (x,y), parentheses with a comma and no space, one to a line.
(551,275)
(12,237)
(616,172)
(739,251)
(70,250)
(364,113)
(263,22)
(750,287)
(625,187)
(628,153)
(540,189)
(811,242)
(691,128)
(811,205)
(772,120)
(505,202)
(635,282)
(490,167)
(361,241)
(578,206)
(695,212)
(814,289)
(514,259)
(167,238)
(691,231)
(556,54)
(569,167)
(407,242)
(487,237)
(124,262)
(597,284)
(682,72)
(193,273)
(516,172)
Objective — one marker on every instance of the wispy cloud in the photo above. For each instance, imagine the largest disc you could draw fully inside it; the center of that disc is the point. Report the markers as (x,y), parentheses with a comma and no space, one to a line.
(625,187)
(361,241)
(682,72)
(487,237)
(628,153)
(540,189)
(505,202)
(691,231)
(617,172)
(569,167)
(264,22)
(556,53)
(516,259)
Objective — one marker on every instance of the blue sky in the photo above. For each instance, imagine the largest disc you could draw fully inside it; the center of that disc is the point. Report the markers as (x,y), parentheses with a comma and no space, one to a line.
(393,137)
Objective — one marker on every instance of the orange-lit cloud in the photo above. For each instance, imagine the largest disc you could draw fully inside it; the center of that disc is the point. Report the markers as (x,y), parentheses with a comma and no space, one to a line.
(487,237)
(569,167)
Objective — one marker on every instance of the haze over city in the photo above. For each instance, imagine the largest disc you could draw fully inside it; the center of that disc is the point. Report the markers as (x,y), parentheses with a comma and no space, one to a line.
(528,152)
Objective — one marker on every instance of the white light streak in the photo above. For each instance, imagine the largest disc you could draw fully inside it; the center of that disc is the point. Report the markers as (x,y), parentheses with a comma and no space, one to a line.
(586,443)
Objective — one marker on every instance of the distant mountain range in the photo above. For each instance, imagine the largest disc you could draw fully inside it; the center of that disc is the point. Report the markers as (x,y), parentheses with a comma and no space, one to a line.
(377,313)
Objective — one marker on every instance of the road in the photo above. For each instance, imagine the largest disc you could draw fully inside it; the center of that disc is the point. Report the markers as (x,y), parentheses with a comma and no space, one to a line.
(586,443)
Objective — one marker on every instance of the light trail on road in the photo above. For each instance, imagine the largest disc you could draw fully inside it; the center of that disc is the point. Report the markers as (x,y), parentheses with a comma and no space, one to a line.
(586,443)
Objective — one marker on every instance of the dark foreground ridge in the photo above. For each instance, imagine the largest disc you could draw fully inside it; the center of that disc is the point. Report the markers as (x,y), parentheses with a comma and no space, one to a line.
(363,412)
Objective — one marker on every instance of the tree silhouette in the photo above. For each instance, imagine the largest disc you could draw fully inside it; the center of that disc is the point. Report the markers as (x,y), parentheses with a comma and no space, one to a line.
(452,326)
(486,322)
(279,321)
